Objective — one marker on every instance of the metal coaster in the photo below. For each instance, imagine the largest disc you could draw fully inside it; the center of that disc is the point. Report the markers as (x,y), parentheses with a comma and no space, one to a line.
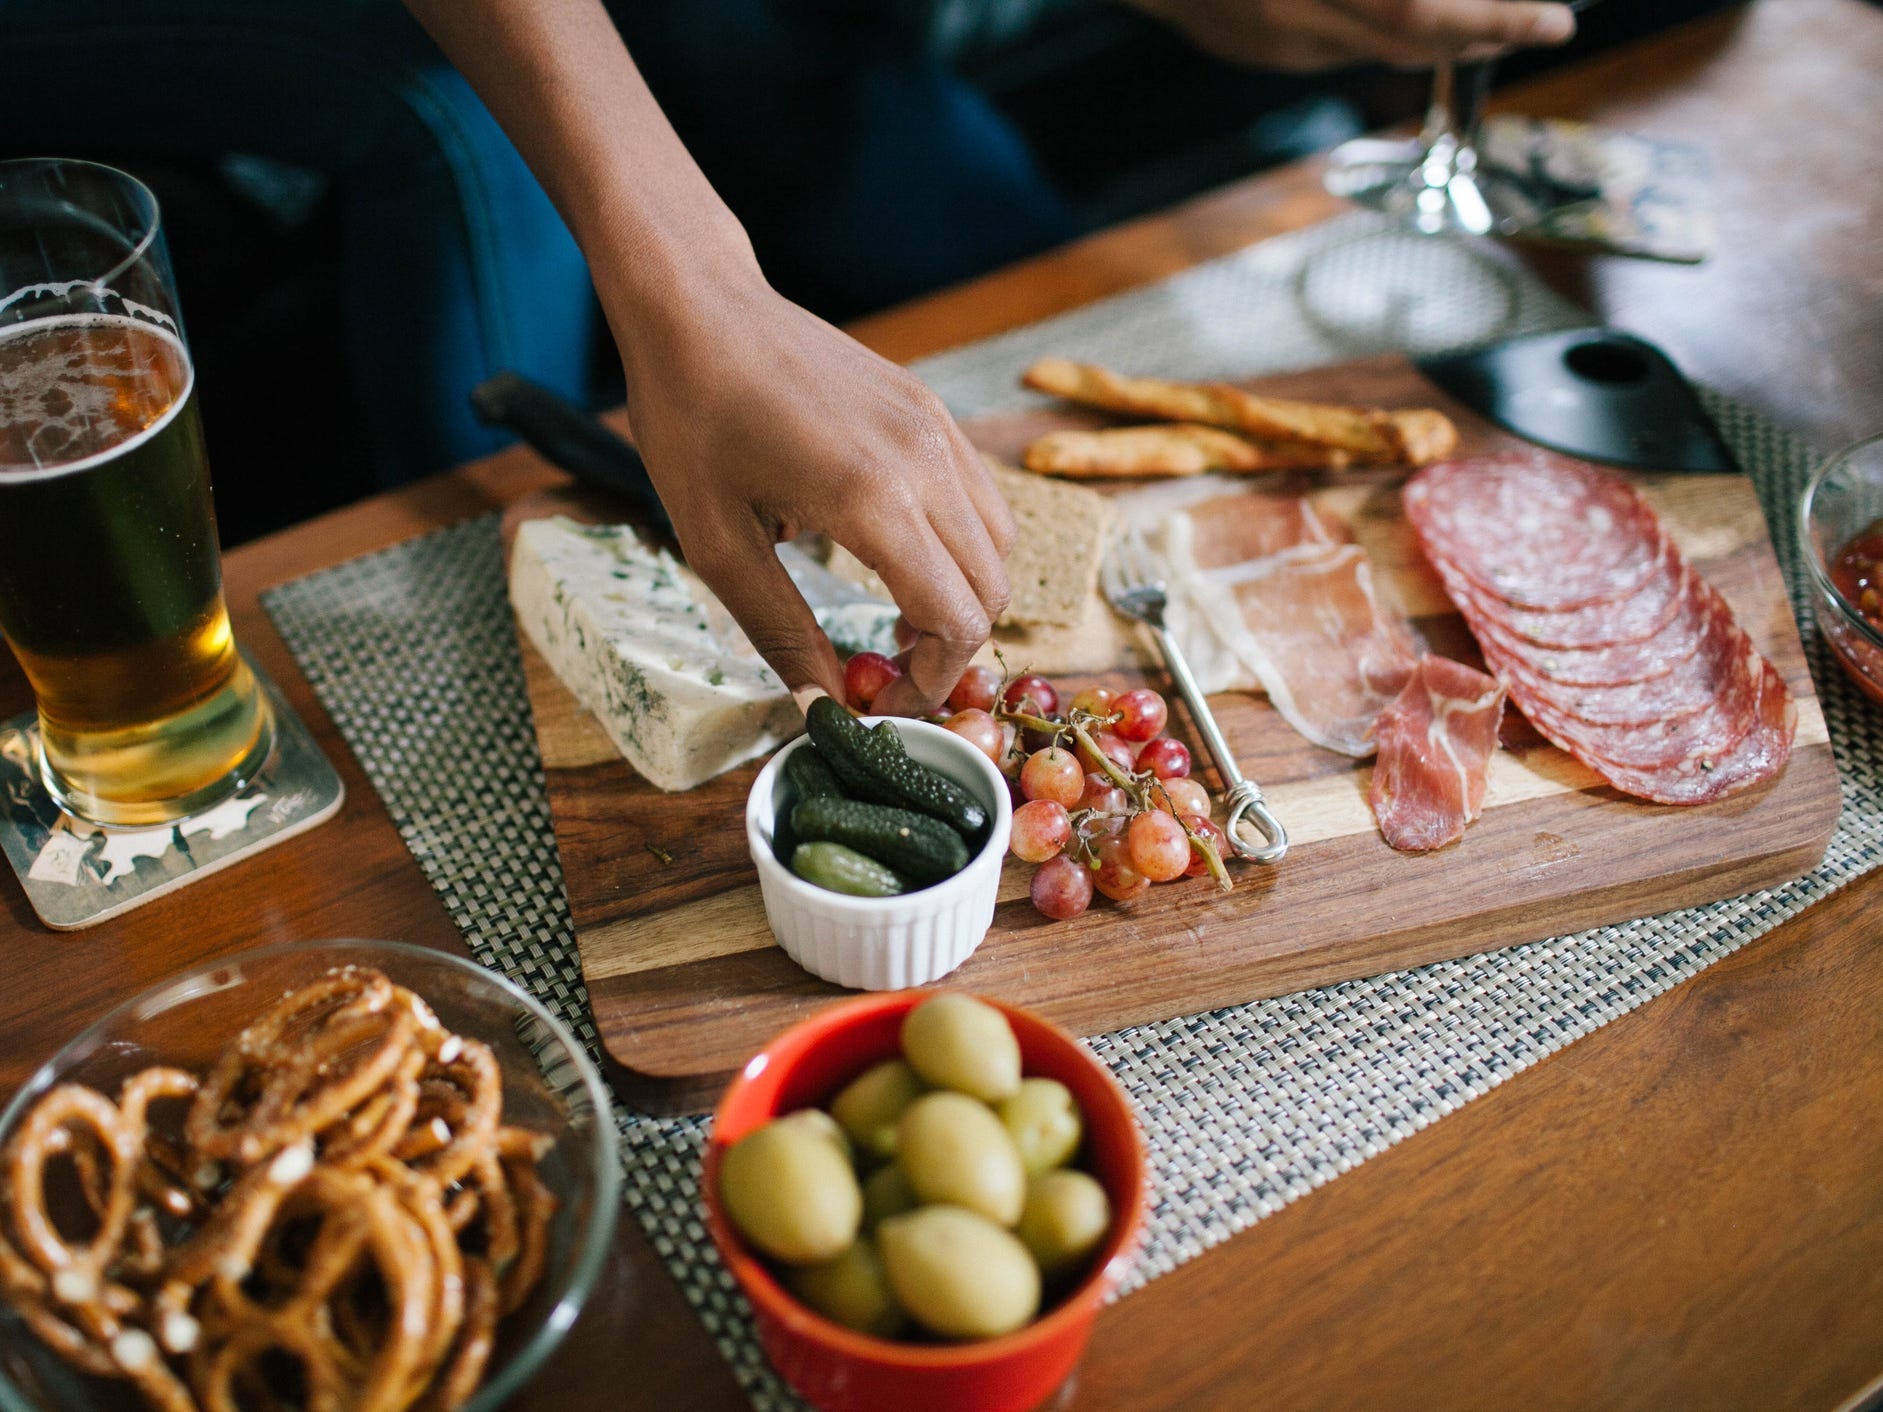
(1596,188)
(77,874)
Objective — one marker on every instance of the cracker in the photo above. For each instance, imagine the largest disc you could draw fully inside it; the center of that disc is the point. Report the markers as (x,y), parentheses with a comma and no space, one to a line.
(1053,570)
(1063,534)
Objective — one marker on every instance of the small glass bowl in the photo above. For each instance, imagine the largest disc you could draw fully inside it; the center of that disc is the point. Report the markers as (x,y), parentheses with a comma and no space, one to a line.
(549,1085)
(1844,499)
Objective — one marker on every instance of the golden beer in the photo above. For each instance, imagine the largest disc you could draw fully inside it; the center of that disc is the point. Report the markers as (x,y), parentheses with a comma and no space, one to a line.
(110,578)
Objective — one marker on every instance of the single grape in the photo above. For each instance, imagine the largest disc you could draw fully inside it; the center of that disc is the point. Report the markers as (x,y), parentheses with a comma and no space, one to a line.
(1159,848)
(1116,878)
(1104,796)
(1033,741)
(1095,701)
(1062,888)
(1113,747)
(1142,714)
(980,730)
(865,675)
(1182,797)
(976,690)
(1053,774)
(1040,829)
(1166,758)
(1201,826)
(1032,694)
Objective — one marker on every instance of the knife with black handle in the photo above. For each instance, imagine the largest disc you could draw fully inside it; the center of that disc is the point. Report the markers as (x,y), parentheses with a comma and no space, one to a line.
(574,439)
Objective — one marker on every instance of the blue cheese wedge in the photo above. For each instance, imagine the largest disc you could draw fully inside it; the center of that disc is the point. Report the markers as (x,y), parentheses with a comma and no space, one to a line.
(645,646)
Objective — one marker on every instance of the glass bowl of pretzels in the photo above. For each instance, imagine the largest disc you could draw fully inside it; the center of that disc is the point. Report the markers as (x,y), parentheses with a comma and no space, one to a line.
(335,1174)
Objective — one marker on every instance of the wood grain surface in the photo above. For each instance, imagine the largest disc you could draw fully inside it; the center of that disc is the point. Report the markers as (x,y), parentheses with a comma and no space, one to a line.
(1684,1209)
(686,983)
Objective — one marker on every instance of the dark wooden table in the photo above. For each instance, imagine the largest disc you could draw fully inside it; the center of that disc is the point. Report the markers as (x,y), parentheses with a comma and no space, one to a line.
(1684,1209)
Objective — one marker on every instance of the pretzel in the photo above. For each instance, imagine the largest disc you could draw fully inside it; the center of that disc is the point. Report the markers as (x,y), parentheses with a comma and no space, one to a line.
(346,1057)
(340,1194)
(473,1340)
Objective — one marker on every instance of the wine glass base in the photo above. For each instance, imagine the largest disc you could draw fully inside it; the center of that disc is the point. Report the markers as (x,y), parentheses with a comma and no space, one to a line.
(1392,288)
(1400,180)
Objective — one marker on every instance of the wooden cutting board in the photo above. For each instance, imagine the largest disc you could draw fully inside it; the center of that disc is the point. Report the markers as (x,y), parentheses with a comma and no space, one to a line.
(686,983)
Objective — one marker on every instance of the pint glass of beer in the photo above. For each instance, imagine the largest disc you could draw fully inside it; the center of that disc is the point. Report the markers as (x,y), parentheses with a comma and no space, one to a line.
(110,576)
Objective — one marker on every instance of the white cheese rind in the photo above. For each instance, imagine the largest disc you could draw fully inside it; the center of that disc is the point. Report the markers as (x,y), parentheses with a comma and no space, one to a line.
(651,655)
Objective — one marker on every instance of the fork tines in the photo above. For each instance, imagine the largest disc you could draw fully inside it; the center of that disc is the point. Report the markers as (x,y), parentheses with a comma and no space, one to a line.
(1133,576)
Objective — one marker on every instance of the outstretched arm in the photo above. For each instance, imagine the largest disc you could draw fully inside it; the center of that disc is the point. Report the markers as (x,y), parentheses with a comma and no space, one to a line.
(758,420)
(1319,34)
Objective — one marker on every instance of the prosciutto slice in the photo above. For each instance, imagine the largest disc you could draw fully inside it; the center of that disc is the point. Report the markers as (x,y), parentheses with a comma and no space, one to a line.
(1613,647)
(1227,531)
(1436,739)
(1305,620)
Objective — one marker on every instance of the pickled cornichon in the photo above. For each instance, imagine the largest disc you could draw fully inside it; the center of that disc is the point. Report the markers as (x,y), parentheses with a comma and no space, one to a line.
(873,766)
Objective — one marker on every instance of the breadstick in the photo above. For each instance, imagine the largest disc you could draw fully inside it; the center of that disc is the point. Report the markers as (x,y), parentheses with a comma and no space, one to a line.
(1181,449)
(1369,436)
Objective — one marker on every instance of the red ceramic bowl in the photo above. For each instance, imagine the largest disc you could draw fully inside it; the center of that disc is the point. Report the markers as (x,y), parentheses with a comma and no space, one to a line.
(839,1369)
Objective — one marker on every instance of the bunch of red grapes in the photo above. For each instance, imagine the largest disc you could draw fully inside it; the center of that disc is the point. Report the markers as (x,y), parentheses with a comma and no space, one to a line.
(1105,801)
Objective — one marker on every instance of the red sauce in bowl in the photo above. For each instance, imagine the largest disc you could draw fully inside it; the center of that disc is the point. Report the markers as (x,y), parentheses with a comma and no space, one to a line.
(1857,574)
(1857,571)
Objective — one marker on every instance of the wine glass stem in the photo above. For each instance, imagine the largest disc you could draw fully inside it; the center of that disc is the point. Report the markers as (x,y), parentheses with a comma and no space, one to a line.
(1451,123)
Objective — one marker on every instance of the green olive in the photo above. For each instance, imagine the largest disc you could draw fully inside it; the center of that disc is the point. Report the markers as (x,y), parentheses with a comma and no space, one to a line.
(817,1121)
(886,1194)
(1066,1216)
(871,1103)
(1044,1123)
(958,1274)
(852,1289)
(955,1041)
(791,1192)
(953,1149)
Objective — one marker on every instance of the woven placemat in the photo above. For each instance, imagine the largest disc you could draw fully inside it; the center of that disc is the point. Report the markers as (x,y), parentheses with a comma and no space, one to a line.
(412,653)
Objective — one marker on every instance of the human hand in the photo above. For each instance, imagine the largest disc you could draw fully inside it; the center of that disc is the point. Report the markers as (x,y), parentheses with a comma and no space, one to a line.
(760,422)
(1304,35)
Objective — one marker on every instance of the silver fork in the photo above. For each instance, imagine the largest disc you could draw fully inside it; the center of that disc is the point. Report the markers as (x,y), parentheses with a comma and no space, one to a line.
(1134,583)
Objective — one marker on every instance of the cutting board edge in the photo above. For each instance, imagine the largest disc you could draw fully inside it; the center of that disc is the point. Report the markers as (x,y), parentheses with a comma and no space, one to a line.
(692,1090)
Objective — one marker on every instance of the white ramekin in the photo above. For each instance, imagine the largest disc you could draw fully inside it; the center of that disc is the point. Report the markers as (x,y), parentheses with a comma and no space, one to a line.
(884,943)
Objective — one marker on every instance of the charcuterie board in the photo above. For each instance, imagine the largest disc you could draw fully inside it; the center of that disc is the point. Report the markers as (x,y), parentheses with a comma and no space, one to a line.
(685,982)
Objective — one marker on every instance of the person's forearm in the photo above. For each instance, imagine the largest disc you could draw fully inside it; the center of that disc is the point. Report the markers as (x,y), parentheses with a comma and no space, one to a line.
(560,82)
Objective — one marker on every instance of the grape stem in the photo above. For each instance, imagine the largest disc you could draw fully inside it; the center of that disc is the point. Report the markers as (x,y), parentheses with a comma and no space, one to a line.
(1137,786)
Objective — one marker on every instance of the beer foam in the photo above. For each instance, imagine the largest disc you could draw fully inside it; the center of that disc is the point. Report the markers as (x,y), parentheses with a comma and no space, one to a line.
(67,404)
(95,290)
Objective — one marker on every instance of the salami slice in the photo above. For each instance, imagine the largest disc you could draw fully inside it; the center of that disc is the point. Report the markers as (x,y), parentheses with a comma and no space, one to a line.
(1609,664)
(1636,618)
(1674,743)
(1718,668)
(1537,531)
(1760,754)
